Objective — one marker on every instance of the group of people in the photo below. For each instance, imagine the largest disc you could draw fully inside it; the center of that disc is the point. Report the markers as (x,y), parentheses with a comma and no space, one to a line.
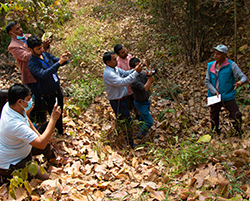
(40,92)
(127,87)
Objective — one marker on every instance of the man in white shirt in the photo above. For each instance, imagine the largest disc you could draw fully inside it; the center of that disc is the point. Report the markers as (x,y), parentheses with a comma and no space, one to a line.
(19,139)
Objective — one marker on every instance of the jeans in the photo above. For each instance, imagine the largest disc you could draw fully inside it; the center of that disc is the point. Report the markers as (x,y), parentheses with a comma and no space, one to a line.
(143,108)
(121,110)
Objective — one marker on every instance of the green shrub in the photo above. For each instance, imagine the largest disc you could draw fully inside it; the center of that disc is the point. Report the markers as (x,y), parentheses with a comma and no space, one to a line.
(35,17)
(83,92)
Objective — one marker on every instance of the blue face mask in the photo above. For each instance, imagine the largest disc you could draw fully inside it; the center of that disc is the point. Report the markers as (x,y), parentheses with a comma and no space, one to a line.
(30,103)
(21,37)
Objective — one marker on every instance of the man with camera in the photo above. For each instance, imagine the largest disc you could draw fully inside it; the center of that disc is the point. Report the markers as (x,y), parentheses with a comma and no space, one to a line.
(19,139)
(19,49)
(141,92)
(116,82)
(44,66)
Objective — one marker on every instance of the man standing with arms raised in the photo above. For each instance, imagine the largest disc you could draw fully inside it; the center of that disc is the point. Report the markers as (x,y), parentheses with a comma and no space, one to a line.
(116,82)
(19,49)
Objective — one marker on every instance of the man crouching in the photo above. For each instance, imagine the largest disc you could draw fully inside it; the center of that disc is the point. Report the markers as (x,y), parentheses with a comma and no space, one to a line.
(19,139)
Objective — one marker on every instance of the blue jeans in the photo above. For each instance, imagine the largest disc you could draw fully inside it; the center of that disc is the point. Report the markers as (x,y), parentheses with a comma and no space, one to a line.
(143,108)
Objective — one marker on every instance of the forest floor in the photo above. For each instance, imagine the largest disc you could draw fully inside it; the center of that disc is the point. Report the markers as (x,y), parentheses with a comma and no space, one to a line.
(179,159)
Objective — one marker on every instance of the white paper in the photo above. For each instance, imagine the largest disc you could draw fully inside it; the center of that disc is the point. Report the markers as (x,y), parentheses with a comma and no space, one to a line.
(213,99)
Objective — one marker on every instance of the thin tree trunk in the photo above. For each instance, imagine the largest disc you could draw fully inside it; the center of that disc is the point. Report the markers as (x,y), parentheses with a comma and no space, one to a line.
(235,32)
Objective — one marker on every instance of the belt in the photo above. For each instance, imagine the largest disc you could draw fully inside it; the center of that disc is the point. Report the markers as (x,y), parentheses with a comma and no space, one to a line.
(122,98)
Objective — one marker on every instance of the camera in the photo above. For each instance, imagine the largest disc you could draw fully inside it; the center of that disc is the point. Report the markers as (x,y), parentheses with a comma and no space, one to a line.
(153,72)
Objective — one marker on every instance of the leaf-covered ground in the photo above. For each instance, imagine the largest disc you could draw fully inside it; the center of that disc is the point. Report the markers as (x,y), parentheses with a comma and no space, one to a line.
(93,161)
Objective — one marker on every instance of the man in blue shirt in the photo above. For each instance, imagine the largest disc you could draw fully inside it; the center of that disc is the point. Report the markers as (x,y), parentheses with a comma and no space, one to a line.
(116,82)
(44,66)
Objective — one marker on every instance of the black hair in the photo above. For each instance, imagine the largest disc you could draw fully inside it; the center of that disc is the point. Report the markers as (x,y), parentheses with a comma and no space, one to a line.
(16,92)
(9,26)
(117,48)
(132,62)
(34,41)
(107,56)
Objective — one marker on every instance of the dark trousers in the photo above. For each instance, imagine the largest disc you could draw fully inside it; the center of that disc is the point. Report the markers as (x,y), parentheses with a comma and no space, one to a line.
(47,152)
(120,107)
(49,100)
(233,109)
(38,114)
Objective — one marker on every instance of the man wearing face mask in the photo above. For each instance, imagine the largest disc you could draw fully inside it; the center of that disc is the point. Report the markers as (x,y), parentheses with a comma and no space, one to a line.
(18,48)
(19,139)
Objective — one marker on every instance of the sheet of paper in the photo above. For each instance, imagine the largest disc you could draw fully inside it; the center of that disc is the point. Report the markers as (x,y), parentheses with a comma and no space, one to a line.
(213,99)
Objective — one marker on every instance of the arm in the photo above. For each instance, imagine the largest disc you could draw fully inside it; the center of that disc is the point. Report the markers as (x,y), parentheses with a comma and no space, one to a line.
(36,68)
(115,80)
(42,140)
(148,83)
(238,74)
(62,60)
(33,127)
(20,53)
(209,85)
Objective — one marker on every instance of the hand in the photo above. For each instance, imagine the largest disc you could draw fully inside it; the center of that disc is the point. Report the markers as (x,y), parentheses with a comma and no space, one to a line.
(64,57)
(29,111)
(238,84)
(46,43)
(217,93)
(56,112)
(138,68)
(68,53)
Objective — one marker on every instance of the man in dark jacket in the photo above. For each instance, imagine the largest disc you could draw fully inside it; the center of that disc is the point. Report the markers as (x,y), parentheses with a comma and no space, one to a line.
(220,79)
(140,88)
(44,66)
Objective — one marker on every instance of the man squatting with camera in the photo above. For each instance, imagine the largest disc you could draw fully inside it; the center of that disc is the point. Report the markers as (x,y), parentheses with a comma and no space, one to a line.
(140,88)
(44,66)
(116,81)
(19,139)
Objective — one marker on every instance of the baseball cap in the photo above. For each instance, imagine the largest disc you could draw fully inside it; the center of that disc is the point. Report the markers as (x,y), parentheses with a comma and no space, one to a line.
(222,48)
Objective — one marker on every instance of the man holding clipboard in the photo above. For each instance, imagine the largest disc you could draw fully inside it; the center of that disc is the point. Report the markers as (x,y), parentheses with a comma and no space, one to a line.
(220,81)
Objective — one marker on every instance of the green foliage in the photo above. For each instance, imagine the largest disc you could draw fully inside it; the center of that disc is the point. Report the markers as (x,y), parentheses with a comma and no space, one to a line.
(83,92)
(243,95)
(161,91)
(162,113)
(35,17)
(183,155)
(20,178)
(235,186)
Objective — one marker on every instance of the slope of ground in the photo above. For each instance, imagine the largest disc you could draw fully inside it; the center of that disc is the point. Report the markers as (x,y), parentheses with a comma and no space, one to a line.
(176,161)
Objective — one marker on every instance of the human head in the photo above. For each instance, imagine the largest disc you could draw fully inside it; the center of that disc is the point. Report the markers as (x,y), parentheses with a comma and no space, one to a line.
(133,62)
(121,51)
(35,45)
(18,92)
(109,59)
(14,29)
(220,53)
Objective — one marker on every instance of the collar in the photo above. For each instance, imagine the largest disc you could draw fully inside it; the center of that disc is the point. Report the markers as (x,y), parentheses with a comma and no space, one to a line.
(213,67)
